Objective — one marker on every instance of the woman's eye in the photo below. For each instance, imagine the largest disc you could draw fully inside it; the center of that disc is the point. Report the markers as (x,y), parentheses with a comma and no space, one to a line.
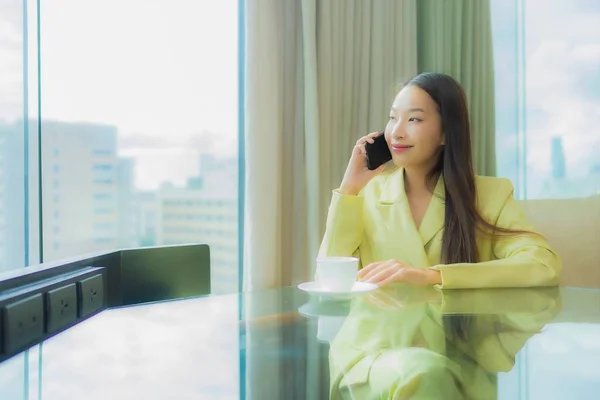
(392,117)
(413,119)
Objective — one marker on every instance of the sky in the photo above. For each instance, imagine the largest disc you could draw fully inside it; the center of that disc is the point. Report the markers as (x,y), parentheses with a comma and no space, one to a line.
(165,73)
(563,81)
(11,64)
(562,86)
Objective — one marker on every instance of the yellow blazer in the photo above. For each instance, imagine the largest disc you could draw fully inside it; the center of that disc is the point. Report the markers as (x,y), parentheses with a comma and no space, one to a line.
(377,225)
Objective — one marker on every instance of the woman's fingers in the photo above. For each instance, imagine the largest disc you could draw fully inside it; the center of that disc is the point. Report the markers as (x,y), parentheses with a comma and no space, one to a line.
(370,138)
(359,149)
(397,276)
(365,139)
(367,270)
(374,271)
(382,274)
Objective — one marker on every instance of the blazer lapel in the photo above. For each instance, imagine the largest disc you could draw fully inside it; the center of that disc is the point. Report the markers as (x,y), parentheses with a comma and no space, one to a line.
(392,190)
(394,204)
(433,221)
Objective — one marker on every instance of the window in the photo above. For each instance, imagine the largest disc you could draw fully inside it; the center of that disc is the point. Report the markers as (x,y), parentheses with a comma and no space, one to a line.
(101,152)
(103,167)
(12,151)
(14,188)
(548,144)
(103,240)
(136,123)
(103,181)
(104,226)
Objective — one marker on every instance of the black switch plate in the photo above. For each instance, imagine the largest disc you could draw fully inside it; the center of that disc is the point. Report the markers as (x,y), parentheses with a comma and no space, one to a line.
(91,295)
(61,306)
(23,323)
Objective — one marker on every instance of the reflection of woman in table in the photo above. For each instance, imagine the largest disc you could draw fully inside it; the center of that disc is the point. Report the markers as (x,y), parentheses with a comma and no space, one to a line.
(410,343)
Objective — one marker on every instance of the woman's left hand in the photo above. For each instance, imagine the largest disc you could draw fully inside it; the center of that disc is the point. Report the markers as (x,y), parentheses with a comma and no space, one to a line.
(394,271)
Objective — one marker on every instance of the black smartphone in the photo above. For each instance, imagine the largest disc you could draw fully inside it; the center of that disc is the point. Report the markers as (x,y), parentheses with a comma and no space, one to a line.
(378,153)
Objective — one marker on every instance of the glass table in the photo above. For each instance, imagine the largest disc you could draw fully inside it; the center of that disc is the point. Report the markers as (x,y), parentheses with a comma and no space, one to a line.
(399,342)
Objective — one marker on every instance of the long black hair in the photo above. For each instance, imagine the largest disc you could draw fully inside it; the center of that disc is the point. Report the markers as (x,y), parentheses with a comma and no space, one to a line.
(455,163)
(462,220)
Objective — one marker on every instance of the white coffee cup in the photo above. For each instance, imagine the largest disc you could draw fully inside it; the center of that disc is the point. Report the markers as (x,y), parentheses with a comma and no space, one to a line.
(337,274)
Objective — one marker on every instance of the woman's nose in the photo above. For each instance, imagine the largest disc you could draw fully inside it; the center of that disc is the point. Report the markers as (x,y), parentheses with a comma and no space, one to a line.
(398,130)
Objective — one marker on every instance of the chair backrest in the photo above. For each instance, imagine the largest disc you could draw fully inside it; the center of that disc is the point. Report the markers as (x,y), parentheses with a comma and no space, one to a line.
(572,226)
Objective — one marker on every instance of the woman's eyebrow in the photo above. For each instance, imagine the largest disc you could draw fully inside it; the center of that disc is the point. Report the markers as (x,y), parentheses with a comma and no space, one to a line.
(415,109)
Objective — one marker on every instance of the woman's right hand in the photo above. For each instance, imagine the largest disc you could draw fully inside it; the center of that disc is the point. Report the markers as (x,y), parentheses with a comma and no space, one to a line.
(357,173)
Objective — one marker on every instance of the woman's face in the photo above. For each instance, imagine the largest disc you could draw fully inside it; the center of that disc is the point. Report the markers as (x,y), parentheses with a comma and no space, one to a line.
(414,131)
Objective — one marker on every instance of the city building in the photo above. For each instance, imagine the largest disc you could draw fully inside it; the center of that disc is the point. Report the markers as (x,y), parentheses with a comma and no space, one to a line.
(4,262)
(562,185)
(12,195)
(147,218)
(86,190)
(205,212)
(89,203)
(128,235)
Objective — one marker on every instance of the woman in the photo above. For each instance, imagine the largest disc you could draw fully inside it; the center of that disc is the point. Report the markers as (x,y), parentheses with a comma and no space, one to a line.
(427,219)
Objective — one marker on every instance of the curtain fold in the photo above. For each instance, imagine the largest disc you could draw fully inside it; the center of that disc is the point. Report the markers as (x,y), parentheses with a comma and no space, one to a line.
(319,75)
(455,37)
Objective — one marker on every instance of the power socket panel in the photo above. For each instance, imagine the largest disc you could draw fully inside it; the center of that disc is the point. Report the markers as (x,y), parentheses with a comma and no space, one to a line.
(40,308)
(61,308)
(91,295)
(23,323)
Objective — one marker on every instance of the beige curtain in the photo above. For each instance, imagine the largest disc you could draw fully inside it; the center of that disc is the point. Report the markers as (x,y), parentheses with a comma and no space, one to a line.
(319,74)
(455,37)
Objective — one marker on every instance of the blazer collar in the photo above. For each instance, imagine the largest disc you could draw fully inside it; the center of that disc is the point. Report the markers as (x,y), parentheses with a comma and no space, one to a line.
(393,192)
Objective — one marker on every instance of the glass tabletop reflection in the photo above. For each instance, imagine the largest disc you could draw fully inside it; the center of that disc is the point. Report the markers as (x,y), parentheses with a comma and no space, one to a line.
(397,342)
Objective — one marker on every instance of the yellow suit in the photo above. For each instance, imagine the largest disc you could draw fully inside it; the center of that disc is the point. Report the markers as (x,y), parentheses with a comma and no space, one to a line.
(377,225)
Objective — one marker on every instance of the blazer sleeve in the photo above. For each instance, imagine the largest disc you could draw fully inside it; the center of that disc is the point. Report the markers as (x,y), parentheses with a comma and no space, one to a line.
(521,260)
(344,228)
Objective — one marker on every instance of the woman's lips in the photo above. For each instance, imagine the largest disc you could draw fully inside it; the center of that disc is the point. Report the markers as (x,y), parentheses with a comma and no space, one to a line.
(400,148)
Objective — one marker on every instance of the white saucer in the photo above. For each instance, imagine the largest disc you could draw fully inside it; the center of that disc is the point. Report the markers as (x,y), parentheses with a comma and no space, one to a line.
(316,289)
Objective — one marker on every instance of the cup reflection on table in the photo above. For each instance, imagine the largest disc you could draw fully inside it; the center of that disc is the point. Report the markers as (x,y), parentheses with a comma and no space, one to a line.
(330,315)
